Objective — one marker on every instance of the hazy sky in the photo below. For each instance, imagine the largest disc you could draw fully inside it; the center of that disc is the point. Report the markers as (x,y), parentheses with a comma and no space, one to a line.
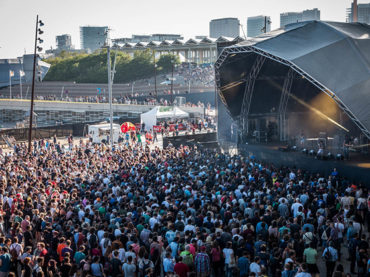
(126,17)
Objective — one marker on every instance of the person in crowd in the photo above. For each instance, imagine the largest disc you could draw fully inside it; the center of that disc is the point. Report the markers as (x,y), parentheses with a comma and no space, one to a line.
(136,209)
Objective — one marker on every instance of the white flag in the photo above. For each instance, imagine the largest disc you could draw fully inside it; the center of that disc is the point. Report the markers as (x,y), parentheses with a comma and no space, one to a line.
(21,73)
(11,73)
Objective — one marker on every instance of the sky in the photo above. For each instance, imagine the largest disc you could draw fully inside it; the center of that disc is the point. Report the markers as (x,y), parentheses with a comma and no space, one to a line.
(125,17)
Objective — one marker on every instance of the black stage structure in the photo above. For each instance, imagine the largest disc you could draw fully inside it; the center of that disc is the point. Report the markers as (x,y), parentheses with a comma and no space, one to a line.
(305,85)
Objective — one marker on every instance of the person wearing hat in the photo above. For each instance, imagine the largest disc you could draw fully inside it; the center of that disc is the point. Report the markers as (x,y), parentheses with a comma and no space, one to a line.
(202,263)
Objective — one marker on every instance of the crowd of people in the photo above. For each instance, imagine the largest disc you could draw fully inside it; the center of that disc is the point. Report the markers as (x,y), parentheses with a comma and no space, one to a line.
(129,99)
(199,75)
(138,211)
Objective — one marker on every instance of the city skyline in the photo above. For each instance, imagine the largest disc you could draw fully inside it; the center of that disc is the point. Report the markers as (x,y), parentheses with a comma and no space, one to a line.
(146,17)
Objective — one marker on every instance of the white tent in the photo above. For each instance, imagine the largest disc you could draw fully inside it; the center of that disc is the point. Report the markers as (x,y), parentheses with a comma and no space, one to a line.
(150,117)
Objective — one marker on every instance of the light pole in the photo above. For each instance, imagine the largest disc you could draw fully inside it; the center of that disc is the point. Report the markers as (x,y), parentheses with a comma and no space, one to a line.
(110,96)
(267,21)
(172,65)
(155,78)
(39,49)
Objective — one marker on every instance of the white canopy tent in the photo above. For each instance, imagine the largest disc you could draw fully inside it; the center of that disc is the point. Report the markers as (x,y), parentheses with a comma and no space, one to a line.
(150,118)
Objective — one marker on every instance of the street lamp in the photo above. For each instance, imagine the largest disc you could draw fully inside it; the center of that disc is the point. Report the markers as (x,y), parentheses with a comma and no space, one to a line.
(39,49)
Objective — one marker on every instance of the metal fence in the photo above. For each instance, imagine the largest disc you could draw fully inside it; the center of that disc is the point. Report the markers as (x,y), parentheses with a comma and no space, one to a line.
(21,134)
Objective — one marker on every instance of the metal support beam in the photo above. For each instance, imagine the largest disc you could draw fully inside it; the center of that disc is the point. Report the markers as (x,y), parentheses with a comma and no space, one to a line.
(284,103)
(248,92)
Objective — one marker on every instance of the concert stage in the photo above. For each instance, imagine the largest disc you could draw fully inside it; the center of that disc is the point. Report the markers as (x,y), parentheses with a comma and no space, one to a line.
(357,168)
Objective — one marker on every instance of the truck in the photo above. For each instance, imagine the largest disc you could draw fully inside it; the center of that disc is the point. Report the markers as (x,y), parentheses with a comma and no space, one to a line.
(100,132)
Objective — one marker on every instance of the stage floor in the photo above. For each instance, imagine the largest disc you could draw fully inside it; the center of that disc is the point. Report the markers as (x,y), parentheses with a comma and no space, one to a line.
(357,168)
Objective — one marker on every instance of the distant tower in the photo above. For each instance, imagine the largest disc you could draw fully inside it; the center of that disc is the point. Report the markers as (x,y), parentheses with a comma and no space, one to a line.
(355,17)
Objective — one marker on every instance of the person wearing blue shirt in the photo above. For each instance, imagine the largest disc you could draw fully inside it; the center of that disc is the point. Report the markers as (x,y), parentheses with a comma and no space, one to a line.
(330,259)
(259,226)
(4,261)
(168,264)
(243,264)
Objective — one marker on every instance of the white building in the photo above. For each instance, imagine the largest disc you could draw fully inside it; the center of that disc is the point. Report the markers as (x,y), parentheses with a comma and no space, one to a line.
(93,37)
(227,27)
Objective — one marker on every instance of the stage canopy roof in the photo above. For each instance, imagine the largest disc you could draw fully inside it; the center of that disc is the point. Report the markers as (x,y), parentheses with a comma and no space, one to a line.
(332,56)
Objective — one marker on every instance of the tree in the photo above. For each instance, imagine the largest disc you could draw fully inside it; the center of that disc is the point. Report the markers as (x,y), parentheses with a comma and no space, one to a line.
(92,68)
(165,62)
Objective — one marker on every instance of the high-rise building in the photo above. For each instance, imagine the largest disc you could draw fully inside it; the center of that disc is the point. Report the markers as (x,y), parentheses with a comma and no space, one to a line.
(64,42)
(256,25)
(227,27)
(313,14)
(363,13)
(293,17)
(93,37)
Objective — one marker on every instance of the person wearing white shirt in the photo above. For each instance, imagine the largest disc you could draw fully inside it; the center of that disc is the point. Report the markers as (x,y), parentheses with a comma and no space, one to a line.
(295,207)
(117,232)
(152,221)
(189,227)
(100,234)
(81,214)
(122,254)
(255,267)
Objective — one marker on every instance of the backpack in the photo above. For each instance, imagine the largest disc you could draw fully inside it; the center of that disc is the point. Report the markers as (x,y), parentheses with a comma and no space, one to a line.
(93,241)
(146,266)
(328,256)
(106,242)
(80,239)
(179,226)
(14,254)
(324,235)
(108,268)
(188,260)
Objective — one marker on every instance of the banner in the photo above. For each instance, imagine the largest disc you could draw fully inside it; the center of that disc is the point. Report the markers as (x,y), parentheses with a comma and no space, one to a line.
(21,73)
(11,73)
(157,128)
